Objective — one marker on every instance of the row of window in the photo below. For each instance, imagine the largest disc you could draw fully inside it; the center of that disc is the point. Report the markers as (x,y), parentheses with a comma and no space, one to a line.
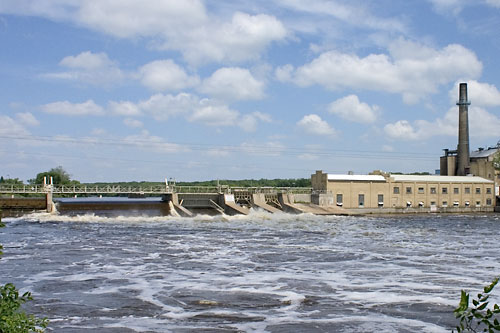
(444,190)
(380,202)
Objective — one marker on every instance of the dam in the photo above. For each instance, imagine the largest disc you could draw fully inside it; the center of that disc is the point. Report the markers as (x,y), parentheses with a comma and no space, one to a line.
(183,201)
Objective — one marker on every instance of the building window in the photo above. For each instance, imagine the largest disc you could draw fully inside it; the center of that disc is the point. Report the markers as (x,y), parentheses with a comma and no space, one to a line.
(408,204)
(421,190)
(433,203)
(381,200)
(467,204)
(456,204)
(408,190)
(488,190)
(445,190)
(421,204)
(340,200)
(433,190)
(488,202)
(455,190)
(478,203)
(396,190)
(478,190)
(467,190)
(361,200)
(445,204)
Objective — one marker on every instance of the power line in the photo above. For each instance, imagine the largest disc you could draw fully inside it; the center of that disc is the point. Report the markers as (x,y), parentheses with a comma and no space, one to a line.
(245,148)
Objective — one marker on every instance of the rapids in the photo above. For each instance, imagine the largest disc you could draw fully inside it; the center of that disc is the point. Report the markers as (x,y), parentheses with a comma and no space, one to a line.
(256,273)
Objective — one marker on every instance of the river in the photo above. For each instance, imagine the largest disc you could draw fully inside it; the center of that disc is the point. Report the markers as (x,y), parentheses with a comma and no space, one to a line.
(256,273)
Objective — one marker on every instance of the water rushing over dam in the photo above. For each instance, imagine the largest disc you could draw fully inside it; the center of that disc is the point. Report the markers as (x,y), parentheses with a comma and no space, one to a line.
(257,273)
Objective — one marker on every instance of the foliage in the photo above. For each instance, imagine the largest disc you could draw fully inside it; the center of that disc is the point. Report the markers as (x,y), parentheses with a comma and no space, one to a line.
(292,182)
(12,319)
(425,173)
(59,177)
(1,226)
(10,181)
(478,316)
(298,182)
(496,161)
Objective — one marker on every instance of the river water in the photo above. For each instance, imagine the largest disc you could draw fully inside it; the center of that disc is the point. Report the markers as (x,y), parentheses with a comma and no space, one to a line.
(256,273)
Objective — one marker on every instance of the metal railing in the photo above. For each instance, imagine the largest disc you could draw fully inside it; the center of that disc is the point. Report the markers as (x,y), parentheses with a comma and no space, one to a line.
(156,189)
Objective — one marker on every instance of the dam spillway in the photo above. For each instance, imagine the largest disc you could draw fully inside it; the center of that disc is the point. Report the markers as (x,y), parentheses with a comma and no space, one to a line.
(167,200)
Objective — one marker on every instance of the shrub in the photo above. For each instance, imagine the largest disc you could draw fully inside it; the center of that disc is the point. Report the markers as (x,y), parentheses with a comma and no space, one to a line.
(12,319)
(478,317)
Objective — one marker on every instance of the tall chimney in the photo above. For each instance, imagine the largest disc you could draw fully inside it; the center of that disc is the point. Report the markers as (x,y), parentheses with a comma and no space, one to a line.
(463,163)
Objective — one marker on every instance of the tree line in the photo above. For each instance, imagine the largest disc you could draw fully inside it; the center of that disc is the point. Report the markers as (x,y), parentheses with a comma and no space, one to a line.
(60,176)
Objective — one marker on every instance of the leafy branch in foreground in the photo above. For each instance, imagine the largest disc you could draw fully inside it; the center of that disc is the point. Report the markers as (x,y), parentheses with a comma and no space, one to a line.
(12,319)
(478,317)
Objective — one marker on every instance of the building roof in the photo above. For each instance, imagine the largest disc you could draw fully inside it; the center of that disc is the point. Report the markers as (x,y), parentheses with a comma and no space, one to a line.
(440,179)
(410,178)
(369,178)
(484,152)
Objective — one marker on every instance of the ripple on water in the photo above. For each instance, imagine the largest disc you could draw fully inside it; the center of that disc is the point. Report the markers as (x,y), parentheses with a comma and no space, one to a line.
(262,272)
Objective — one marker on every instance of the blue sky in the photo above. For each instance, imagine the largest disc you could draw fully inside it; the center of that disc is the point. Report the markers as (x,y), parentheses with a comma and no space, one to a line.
(195,90)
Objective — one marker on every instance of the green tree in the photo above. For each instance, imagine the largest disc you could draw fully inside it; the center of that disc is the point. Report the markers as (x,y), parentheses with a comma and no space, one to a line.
(59,177)
(12,318)
(477,317)
(496,161)
(11,181)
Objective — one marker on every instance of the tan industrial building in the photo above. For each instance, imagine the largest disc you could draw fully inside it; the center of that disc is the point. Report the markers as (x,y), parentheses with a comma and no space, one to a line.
(405,193)
(468,182)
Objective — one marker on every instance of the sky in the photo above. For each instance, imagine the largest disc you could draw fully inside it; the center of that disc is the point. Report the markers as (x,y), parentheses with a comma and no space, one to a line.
(124,90)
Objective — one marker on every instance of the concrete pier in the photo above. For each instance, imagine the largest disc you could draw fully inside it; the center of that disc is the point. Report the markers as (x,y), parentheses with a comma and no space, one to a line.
(259,201)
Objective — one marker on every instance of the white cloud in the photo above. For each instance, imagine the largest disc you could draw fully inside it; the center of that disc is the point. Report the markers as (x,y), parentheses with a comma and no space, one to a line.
(351,14)
(153,143)
(308,157)
(482,124)
(401,130)
(480,94)
(88,67)
(270,148)
(88,108)
(233,83)
(494,3)
(387,148)
(162,75)
(216,152)
(161,106)
(87,60)
(214,115)
(183,26)
(249,122)
(244,38)
(350,108)
(133,123)
(10,127)
(284,73)
(313,124)
(27,118)
(124,108)
(411,69)
(448,6)
(129,18)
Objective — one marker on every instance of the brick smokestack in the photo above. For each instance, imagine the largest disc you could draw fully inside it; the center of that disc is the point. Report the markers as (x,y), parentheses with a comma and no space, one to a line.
(463,163)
